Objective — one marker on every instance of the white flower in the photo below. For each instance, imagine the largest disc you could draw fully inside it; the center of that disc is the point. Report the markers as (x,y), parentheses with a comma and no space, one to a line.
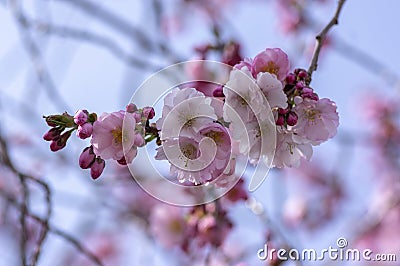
(184,110)
(242,95)
(272,89)
(290,149)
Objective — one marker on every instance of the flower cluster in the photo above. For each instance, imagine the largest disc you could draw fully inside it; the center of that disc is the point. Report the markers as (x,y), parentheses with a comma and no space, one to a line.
(302,119)
(114,135)
(198,226)
(201,134)
(197,118)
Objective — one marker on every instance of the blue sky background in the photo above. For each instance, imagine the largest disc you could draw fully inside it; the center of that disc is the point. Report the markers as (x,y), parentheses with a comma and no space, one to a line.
(90,77)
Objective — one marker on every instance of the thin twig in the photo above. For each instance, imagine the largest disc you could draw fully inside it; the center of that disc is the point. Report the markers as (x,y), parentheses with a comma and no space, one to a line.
(35,55)
(125,27)
(320,38)
(54,230)
(25,200)
(93,38)
(24,207)
(258,209)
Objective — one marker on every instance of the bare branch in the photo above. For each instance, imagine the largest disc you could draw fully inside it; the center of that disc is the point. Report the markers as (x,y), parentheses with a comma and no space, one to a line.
(125,27)
(321,38)
(24,206)
(96,39)
(35,55)
(54,230)
(25,200)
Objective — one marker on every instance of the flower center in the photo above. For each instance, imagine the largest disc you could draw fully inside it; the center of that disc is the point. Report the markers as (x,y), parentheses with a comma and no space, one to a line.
(175,227)
(290,147)
(271,67)
(189,151)
(311,114)
(218,137)
(117,134)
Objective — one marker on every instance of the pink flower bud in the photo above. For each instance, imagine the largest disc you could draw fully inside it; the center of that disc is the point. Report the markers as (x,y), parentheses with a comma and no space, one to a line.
(302,74)
(87,158)
(307,90)
(122,161)
(96,169)
(137,116)
(231,54)
(148,112)
(52,134)
(61,142)
(282,111)
(55,145)
(139,140)
(291,119)
(280,121)
(291,78)
(131,108)
(81,117)
(300,85)
(218,92)
(84,131)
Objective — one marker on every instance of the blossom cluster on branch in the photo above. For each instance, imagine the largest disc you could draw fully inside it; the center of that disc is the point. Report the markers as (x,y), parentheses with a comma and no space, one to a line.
(202,135)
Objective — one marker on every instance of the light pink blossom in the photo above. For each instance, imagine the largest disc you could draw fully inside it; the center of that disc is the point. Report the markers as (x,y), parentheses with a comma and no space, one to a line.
(243,97)
(193,166)
(186,109)
(272,89)
(317,120)
(167,224)
(290,149)
(272,60)
(109,138)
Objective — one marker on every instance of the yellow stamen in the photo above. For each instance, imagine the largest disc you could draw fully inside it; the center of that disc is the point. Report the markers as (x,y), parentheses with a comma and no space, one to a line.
(271,67)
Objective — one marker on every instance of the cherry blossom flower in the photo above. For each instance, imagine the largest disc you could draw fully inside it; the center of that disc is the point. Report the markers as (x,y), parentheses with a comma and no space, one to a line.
(186,110)
(274,61)
(290,149)
(109,138)
(197,162)
(167,224)
(317,120)
(243,96)
(272,89)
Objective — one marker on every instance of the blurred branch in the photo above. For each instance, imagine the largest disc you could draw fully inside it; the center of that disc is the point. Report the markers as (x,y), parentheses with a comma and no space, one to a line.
(123,26)
(320,38)
(35,55)
(96,39)
(54,230)
(24,206)
(113,20)
(356,55)
(366,61)
(258,209)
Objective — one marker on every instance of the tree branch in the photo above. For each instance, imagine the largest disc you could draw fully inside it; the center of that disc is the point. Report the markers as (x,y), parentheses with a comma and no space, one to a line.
(24,206)
(54,230)
(36,58)
(96,39)
(321,38)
